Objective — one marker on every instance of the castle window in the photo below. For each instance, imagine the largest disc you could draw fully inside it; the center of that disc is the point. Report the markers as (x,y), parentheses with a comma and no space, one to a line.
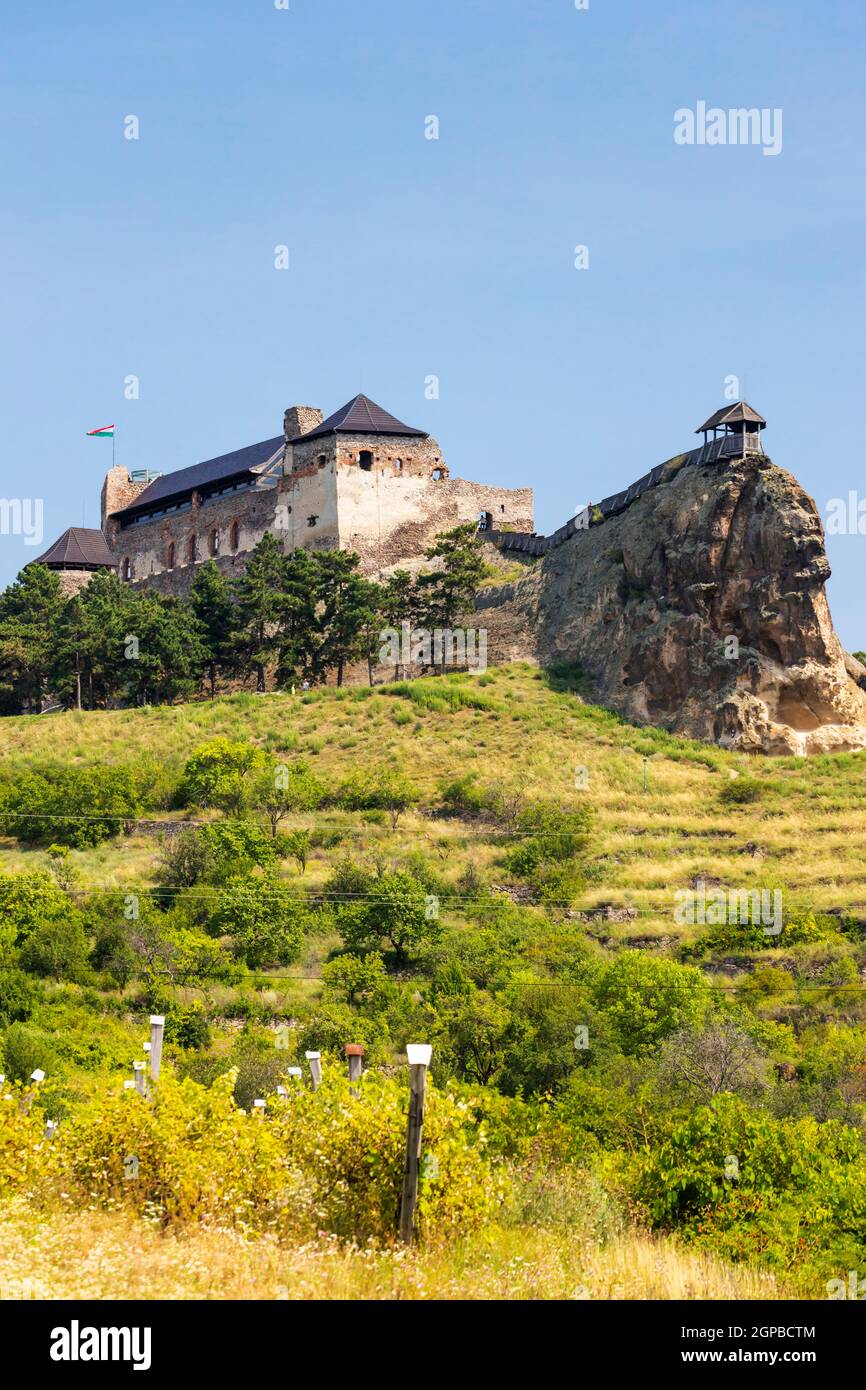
(399,464)
(437,475)
(485,521)
(126,569)
(234,535)
(311,520)
(502,507)
(214,542)
(169,559)
(365,460)
(322,460)
(191,551)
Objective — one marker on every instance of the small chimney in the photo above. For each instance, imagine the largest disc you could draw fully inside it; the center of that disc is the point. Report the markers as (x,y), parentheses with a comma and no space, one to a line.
(300,419)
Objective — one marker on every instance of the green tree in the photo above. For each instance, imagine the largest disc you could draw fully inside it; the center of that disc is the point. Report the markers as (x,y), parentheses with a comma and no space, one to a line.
(163,650)
(399,604)
(397,912)
(645,999)
(260,610)
(354,979)
(346,607)
(265,920)
(449,591)
(57,949)
(29,615)
(220,774)
(285,789)
(211,600)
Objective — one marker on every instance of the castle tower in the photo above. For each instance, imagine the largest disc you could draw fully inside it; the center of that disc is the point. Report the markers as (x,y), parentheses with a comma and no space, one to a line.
(79,553)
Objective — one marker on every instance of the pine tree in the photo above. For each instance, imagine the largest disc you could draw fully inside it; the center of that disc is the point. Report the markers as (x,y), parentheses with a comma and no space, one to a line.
(260,606)
(345,608)
(211,601)
(29,611)
(449,591)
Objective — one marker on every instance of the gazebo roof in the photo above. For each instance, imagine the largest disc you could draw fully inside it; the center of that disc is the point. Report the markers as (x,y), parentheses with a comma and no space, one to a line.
(738,413)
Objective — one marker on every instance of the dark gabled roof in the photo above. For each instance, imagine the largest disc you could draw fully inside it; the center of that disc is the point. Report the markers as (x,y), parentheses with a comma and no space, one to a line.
(732,415)
(199,475)
(80,545)
(361,416)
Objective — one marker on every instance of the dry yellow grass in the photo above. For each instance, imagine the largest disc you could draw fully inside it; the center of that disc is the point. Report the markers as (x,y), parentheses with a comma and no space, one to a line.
(98,1255)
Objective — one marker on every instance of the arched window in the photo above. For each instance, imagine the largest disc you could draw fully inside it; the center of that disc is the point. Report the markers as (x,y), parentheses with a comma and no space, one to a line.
(399,463)
(126,568)
(322,460)
(437,475)
(234,535)
(169,559)
(214,541)
(365,459)
(191,550)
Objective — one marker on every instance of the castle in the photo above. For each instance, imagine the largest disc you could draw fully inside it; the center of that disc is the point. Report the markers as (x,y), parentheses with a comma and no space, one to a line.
(360,480)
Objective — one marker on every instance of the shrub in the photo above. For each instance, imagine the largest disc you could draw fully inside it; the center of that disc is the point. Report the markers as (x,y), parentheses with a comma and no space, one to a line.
(24,1049)
(26,900)
(58,949)
(18,996)
(74,806)
(188,1027)
(741,791)
(379,789)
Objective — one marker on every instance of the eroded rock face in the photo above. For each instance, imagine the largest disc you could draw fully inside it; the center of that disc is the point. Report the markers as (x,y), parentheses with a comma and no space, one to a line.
(648,601)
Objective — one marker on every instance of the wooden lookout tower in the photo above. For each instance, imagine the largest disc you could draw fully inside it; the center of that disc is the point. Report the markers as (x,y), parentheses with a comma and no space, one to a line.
(736,432)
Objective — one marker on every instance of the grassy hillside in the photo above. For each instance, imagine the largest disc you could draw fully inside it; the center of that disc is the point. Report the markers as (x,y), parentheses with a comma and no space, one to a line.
(806,831)
(553,839)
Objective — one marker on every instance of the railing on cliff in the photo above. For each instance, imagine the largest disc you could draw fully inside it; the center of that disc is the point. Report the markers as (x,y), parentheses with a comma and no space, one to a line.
(726,446)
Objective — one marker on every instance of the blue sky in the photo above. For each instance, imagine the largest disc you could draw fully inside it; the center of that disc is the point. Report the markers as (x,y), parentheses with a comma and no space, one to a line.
(412,257)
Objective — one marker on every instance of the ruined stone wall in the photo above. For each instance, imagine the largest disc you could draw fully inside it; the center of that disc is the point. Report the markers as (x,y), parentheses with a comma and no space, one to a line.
(118,491)
(73,581)
(285,508)
(320,497)
(395,509)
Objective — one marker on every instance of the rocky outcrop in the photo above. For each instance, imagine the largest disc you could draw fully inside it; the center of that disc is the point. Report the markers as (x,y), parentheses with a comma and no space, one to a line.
(701,609)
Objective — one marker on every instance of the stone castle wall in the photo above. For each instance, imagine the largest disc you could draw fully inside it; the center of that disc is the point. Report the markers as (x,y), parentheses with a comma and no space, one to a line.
(385,497)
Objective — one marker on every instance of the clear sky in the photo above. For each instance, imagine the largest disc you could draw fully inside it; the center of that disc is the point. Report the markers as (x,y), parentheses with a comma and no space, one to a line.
(409,257)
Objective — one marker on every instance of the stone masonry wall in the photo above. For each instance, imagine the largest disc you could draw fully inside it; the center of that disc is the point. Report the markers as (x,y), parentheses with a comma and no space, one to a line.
(324,499)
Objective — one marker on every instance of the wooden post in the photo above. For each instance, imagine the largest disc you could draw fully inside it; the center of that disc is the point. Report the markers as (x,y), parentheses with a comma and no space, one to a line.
(355,1054)
(140,1078)
(294,1072)
(50,1129)
(315,1061)
(419,1060)
(157,1028)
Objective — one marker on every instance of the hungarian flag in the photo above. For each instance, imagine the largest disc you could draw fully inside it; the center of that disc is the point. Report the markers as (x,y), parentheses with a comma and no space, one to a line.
(106,432)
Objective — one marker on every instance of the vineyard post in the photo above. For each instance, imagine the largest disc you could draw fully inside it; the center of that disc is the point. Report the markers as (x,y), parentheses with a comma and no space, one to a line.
(140,1079)
(355,1054)
(315,1061)
(157,1027)
(419,1055)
